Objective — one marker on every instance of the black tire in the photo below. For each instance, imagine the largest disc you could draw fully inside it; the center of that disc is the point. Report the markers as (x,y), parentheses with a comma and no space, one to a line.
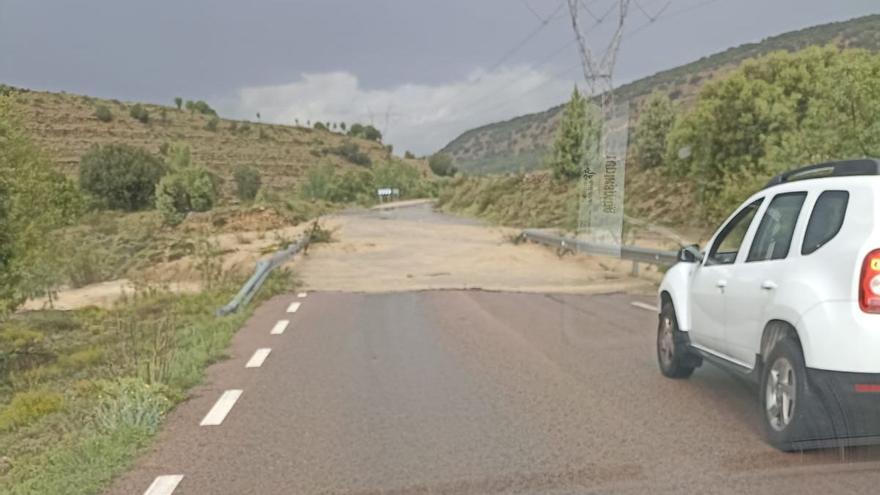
(787,418)
(672,354)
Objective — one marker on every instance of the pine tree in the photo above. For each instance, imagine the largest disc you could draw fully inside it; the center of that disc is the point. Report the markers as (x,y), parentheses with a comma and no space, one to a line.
(656,120)
(568,148)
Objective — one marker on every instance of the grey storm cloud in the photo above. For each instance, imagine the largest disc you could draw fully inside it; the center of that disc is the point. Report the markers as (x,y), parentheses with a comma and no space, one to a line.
(424,70)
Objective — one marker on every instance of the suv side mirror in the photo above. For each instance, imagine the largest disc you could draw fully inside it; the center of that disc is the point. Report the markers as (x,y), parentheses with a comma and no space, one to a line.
(690,254)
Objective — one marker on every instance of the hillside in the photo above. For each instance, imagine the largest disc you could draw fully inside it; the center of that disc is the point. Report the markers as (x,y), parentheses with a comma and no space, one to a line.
(65,126)
(522,142)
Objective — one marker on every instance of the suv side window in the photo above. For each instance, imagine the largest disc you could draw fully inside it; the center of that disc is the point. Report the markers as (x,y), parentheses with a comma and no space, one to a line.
(825,220)
(730,238)
(773,238)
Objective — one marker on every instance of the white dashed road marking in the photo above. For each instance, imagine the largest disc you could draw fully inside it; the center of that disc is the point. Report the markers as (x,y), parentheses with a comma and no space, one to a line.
(224,404)
(648,307)
(164,485)
(257,359)
(302,295)
(280,327)
(294,307)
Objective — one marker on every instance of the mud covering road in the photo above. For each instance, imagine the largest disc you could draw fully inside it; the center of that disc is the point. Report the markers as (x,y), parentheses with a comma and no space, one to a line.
(415,248)
(472,392)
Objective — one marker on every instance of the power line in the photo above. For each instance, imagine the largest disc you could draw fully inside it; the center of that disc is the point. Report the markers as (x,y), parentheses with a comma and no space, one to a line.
(674,13)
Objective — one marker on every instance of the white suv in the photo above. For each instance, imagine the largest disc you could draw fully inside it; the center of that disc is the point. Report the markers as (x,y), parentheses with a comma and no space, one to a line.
(788,293)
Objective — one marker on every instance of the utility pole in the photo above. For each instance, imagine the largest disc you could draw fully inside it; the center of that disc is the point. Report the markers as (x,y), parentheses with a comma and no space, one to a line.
(600,219)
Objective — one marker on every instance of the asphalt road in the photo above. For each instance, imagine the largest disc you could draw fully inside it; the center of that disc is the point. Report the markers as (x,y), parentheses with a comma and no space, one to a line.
(472,392)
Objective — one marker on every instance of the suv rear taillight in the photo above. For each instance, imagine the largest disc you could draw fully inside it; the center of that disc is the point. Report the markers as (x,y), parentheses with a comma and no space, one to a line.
(869,284)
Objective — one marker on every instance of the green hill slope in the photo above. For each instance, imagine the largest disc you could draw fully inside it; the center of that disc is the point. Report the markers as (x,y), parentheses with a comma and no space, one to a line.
(522,142)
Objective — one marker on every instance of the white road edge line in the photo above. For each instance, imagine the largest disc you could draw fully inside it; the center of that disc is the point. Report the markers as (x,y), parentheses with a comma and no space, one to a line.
(302,295)
(164,485)
(645,306)
(294,307)
(221,408)
(257,359)
(280,327)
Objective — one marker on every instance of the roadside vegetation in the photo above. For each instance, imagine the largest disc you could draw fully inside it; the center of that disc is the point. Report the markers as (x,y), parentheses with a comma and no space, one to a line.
(83,391)
(689,165)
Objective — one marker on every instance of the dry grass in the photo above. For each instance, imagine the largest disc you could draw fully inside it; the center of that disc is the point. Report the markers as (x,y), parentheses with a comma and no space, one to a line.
(65,126)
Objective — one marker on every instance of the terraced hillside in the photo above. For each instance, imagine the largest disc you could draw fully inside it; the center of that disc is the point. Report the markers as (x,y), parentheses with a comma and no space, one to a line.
(66,125)
(522,142)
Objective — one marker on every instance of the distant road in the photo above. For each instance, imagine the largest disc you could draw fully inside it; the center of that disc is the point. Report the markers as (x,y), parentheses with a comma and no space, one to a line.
(470,392)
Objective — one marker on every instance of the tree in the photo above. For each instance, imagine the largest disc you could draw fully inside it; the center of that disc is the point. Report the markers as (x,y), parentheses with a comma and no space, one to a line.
(35,199)
(320,126)
(120,176)
(247,182)
(372,134)
(178,102)
(577,138)
(656,119)
(342,126)
(775,113)
(408,154)
(442,164)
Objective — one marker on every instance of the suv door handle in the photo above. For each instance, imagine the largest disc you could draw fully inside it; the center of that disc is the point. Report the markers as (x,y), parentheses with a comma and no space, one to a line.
(768,285)
(721,284)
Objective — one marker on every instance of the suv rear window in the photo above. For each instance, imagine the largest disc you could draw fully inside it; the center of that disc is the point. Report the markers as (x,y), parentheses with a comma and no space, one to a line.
(825,220)
(773,238)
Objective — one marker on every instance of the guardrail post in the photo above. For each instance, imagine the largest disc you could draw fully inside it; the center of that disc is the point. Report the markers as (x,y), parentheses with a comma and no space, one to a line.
(635,269)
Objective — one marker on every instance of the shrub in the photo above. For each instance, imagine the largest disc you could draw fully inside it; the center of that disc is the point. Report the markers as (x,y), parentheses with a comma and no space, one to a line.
(130,402)
(212,124)
(185,190)
(121,176)
(352,152)
(247,182)
(178,102)
(320,126)
(139,113)
(103,113)
(27,407)
(200,107)
(365,132)
(441,164)
(408,154)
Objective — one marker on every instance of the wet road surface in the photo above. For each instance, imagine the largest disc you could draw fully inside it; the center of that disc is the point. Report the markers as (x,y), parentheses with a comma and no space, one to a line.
(471,392)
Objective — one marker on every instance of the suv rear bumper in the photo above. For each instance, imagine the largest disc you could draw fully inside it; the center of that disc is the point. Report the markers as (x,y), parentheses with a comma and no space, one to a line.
(851,405)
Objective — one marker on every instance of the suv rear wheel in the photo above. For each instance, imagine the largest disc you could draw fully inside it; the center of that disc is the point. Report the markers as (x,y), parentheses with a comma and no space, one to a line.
(672,354)
(785,399)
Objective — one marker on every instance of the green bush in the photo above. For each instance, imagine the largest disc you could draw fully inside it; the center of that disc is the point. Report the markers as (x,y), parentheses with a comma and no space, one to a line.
(320,126)
(27,407)
(185,190)
(408,154)
(212,124)
(441,164)
(352,152)
(247,182)
(364,132)
(178,102)
(121,176)
(139,113)
(103,113)
(200,107)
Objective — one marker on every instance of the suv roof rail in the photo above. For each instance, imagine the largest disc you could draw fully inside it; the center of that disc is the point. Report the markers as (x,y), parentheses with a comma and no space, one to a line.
(843,168)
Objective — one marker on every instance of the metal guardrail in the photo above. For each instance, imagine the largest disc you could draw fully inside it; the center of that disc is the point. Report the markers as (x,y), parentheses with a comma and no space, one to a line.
(261,271)
(633,253)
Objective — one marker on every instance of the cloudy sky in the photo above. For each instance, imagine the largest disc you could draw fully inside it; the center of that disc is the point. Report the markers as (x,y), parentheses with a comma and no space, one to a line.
(422,71)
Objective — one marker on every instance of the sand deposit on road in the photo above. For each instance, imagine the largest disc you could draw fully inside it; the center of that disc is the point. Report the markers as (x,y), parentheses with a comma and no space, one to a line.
(417,249)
